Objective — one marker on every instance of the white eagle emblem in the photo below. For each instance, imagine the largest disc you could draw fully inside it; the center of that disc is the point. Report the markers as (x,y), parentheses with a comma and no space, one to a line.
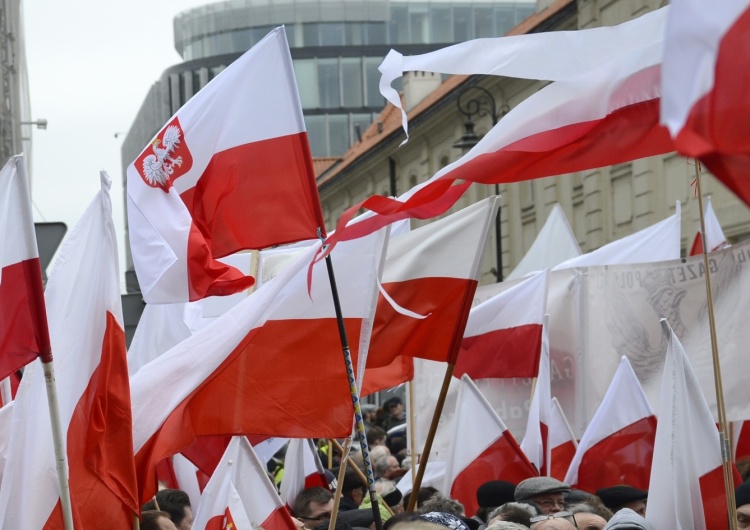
(158,167)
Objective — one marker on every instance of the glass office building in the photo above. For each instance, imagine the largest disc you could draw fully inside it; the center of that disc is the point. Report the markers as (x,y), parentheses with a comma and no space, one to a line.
(337,46)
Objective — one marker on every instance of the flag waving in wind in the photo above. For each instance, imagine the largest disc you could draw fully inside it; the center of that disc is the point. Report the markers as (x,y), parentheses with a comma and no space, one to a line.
(687,481)
(23,319)
(85,317)
(231,170)
(607,115)
(241,494)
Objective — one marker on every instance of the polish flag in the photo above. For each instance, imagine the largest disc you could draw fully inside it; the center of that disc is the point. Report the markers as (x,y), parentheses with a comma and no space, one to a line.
(6,416)
(609,114)
(399,371)
(483,449)
(429,280)
(23,320)
(562,445)
(231,170)
(85,317)
(302,470)
(687,481)
(272,365)
(503,337)
(241,494)
(535,442)
(618,444)
(704,79)
(715,239)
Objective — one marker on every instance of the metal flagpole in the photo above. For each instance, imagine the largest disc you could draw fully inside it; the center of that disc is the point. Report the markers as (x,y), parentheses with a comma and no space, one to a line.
(354,393)
(726,456)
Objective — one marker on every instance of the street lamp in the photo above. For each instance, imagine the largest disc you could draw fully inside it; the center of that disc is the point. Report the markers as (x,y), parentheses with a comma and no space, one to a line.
(478,101)
(40,123)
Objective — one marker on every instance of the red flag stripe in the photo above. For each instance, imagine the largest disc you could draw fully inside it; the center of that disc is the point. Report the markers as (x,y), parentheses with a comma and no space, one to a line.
(101,420)
(623,457)
(253,402)
(496,354)
(561,457)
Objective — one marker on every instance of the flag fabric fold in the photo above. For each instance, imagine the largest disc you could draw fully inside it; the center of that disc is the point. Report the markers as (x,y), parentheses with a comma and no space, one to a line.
(686,489)
(230,171)
(302,470)
(618,444)
(704,81)
(432,271)
(272,365)
(605,116)
(503,336)
(483,449)
(87,334)
(241,494)
(545,56)
(23,319)
(535,443)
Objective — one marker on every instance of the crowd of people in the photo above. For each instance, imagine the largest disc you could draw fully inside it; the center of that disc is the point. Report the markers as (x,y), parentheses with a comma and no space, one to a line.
(538,503)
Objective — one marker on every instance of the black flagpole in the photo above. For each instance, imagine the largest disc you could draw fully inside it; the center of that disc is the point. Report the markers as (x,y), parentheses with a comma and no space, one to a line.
(355,394)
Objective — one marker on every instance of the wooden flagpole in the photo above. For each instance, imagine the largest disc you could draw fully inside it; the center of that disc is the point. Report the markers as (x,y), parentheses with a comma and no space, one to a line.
(61,458)
(430,437)
(360,425)
(412,427)
(340,479)
(726,455)
(566,422)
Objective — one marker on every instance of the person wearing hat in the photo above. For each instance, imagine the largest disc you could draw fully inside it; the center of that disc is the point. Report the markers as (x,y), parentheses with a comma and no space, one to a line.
(624,496)
(742,501)
(627,519)
(492,494)
(545,492)
(392,414)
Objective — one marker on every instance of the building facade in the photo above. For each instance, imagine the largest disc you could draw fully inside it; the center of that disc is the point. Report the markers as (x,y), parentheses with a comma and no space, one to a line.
(601,204)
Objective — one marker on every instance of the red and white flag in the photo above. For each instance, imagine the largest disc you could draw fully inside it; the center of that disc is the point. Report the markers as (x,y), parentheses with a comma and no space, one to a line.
(607,115)
(704,79)
(562,444)
(302,470)
(686,489)
(429,280)
(240,496)
(23,320)
(272,365)
(535,441)
(715,239)
(503,337)
(231,170)
(618,444)
(85,317)
(483,449)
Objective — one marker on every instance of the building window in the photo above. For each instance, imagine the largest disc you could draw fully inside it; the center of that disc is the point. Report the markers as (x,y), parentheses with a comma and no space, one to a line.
(310,34)
(316,133)
(332,34)
(351,73)
(442,30)
(329,90)
(462,24)
(306,72)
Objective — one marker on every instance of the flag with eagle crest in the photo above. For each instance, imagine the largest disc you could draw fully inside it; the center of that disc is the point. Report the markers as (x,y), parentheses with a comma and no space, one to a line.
(230,171)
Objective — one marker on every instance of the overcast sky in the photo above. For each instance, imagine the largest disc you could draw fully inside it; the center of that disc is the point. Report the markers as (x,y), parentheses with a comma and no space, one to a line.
(90,66)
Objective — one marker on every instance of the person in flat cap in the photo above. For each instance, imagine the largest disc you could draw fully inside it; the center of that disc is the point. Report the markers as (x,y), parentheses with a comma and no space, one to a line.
(545,492)
(624,496)
(742,500)
(627,519)
(492,494)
